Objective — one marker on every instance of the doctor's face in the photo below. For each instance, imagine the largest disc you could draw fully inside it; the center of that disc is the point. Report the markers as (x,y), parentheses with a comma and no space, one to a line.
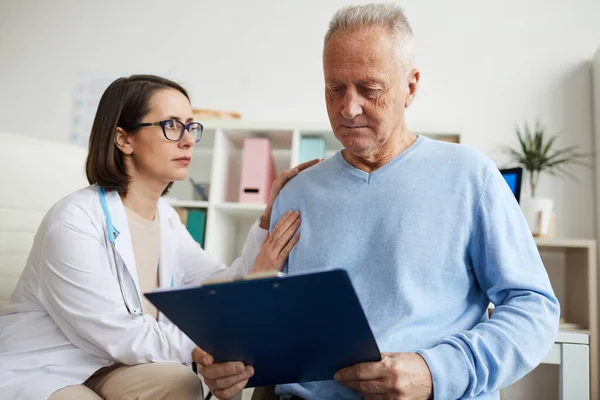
(153,157)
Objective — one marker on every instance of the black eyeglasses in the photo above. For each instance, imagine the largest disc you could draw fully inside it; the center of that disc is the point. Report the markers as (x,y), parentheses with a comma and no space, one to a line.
(173,129)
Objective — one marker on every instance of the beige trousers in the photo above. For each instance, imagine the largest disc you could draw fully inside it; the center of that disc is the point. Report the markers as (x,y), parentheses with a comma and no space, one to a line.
(156,381)
(265,393)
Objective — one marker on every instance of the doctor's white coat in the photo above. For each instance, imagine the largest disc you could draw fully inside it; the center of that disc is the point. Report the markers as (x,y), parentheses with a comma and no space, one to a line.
(67,317)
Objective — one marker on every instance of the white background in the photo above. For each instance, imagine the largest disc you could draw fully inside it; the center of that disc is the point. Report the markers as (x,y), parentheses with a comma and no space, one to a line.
(486,66)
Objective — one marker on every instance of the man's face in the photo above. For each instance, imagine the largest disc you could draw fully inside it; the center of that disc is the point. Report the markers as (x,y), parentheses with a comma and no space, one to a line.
(365,90)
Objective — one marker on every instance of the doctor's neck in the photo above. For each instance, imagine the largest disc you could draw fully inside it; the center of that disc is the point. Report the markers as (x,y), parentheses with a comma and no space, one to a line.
(142,198)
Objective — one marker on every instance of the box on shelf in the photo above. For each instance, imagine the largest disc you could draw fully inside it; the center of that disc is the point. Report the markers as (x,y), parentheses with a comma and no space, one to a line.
(311,147)
(258,171)
(195,222)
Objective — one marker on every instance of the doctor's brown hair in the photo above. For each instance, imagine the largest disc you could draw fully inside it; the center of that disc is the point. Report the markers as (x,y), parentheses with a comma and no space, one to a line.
(124,103)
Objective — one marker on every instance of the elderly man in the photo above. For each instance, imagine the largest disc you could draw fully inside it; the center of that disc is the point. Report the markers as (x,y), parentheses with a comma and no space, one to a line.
(428,231)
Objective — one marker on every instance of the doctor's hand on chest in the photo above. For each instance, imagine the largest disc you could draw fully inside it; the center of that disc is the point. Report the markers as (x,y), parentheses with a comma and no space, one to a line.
(284,236)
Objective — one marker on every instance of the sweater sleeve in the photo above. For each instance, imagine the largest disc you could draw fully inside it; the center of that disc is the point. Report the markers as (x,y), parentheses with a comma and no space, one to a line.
(524,323)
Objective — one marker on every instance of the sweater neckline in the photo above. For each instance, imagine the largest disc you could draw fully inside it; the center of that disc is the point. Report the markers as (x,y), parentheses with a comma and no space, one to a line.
(369,177)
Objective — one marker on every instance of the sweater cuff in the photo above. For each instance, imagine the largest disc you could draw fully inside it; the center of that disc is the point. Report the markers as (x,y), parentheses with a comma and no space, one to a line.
(449,371)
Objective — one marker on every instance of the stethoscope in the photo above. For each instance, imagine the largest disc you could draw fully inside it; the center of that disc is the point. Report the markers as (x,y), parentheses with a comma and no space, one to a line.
(112,235)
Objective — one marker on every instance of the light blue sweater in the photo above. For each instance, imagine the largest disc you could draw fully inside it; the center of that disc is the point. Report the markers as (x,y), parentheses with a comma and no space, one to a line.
(429,240)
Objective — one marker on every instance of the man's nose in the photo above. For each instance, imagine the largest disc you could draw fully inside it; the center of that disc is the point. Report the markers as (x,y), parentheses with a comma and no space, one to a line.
(352,105)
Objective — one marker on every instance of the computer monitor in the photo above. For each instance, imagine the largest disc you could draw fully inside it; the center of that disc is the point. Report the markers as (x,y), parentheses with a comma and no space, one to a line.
(513,177)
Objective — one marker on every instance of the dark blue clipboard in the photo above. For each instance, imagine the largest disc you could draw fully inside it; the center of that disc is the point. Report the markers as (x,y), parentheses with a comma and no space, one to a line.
(297,328)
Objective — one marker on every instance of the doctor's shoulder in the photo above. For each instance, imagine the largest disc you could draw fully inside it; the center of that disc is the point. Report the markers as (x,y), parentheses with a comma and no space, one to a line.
(80,210)
(175,216)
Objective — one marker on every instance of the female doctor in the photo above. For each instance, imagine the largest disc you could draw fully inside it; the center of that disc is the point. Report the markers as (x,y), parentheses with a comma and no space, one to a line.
(78,326)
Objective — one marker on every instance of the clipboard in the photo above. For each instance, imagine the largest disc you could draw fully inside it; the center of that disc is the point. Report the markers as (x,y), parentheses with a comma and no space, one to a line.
(296,328)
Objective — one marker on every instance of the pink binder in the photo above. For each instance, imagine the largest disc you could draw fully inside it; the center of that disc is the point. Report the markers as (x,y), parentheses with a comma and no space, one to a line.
(258,171)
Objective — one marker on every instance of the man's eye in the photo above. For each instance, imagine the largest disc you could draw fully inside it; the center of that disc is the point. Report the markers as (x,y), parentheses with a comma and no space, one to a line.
(337,90)
(371,92)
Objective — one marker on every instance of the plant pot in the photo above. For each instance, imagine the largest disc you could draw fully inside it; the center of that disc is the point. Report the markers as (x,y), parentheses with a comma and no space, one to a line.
(538,213)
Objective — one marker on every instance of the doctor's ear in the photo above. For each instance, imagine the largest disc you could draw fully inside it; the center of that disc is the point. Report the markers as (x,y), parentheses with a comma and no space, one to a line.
(123,141)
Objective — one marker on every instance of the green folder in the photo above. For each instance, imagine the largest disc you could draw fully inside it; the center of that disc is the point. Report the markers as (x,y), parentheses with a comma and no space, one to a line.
(196,225)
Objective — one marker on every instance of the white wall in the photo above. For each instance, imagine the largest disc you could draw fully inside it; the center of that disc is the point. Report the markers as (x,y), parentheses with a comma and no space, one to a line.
(485,66)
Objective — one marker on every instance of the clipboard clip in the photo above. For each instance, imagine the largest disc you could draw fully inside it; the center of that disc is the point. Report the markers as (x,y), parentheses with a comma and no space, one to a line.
(247,277)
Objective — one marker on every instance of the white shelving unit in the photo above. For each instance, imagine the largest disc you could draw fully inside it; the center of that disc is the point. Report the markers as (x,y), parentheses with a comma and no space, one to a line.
(572,268)
(217,163)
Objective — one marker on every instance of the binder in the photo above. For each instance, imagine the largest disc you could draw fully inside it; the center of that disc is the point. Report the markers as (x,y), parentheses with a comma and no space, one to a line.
(311,147)
(258,171)
(196,225)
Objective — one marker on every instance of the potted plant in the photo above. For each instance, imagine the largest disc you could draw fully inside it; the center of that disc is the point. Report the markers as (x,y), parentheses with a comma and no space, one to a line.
(537,154)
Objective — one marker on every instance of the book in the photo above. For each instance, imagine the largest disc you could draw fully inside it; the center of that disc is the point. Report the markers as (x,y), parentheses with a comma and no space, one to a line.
(196,225)
(311,147)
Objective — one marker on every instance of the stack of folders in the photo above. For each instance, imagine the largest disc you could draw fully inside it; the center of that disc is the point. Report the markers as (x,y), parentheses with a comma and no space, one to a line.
(311,147)
(195,222)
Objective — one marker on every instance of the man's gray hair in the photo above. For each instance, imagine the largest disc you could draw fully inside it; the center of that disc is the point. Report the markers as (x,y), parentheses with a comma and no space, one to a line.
(385,15)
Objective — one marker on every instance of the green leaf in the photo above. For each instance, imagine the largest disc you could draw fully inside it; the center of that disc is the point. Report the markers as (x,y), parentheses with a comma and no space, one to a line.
(537,152)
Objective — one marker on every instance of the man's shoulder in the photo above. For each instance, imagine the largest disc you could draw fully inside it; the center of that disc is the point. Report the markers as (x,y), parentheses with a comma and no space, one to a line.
(458,155)
(310,177)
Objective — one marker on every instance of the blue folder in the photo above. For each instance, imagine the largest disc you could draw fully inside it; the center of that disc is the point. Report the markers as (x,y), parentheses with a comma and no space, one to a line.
(295,328)
(311,147)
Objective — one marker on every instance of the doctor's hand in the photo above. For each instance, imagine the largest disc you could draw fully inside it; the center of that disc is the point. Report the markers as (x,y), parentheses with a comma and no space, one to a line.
(224,380)
(278,184)
(278,244)
(396,376)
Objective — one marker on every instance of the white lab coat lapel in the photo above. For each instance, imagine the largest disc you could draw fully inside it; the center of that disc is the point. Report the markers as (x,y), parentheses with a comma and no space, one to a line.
(123,242)
(168,246)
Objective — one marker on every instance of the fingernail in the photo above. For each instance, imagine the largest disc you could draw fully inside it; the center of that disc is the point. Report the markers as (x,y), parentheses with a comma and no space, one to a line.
(336,377)
(249,371)
(288,212)
(239,368)
(298,213)
(206,360)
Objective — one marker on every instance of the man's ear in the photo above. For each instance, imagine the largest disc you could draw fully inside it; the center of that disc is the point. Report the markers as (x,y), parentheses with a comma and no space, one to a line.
(123,141)
(413,83)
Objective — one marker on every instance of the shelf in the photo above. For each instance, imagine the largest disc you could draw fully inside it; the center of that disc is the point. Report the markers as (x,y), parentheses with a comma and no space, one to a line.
(580,336)
(241,209)
(188,203)
(565,243)
(264,126)
(307,127)
(580,331)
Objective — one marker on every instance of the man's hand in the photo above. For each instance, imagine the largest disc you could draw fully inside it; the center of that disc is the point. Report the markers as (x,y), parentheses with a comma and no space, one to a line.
(397,376)
(224,380)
